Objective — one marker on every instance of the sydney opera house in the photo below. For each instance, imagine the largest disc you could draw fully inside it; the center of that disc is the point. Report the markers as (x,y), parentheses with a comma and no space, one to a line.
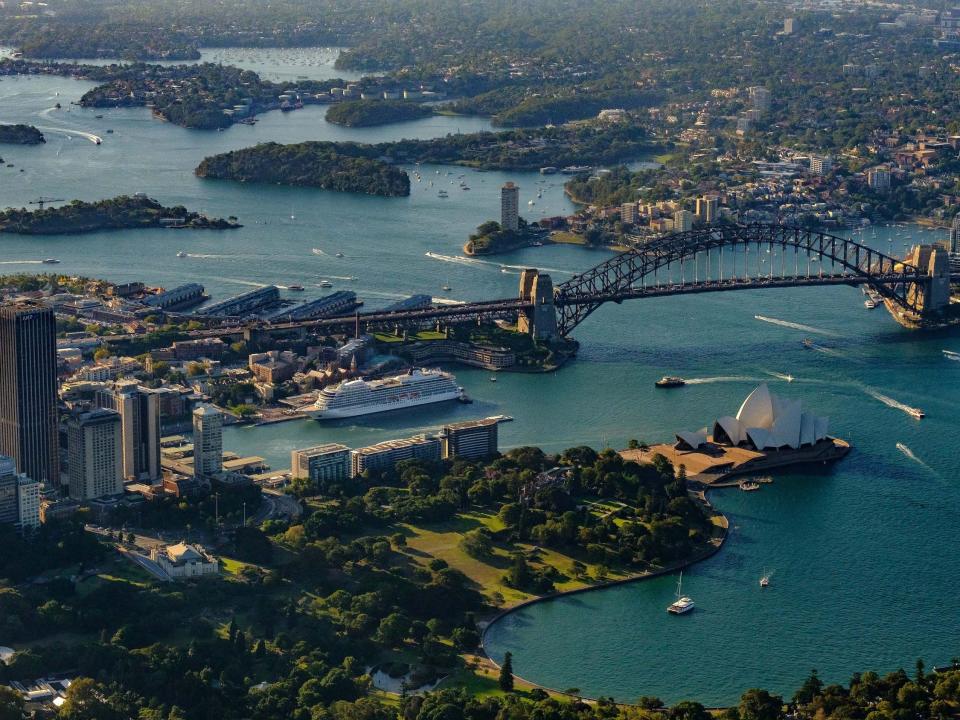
(764,422)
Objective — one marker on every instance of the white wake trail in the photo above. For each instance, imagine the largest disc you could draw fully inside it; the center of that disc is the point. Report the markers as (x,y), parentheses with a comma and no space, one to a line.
(793,325)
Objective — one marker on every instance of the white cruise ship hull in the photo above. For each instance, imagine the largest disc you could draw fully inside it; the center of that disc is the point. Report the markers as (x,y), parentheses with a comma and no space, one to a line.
(349,412)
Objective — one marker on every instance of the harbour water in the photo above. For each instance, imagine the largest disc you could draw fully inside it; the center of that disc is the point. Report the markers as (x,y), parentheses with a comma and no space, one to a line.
(863,556)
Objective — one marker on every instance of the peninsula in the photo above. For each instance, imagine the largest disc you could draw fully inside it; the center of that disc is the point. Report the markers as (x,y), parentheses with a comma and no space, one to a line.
(368,113)
(120,213)
(20,135)
(313,164)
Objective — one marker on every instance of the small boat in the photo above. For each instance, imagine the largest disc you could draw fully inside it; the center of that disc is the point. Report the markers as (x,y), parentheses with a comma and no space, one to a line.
(443,194)
(446,288)
(669,381)
(807,343)
(98,141)
(765,579)
(326,284)
(181,254)
(538,244)
(917,413)
(951,355)
(109,131)
(339,254)
(493,378)
(682,604)
(295,288)
(99,117)
(50,261)
(749,486)
(869,304)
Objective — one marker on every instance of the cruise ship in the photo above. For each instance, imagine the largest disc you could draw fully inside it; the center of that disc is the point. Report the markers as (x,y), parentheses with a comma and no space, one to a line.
(365,397)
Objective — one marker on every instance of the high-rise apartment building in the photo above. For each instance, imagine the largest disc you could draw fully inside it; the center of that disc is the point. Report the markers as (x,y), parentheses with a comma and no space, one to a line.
(760,99)
(28,390)
(387,454)
(630,213)
(95,454)
(955,235)
(707,208)
(821,164)
(207,442)
(878,178)
(330,462)
(139,410)
(682,220)
(510,206)
(788,26)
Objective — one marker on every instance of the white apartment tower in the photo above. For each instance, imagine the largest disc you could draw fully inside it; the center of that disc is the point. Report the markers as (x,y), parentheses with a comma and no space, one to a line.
(207,442)
(510,206)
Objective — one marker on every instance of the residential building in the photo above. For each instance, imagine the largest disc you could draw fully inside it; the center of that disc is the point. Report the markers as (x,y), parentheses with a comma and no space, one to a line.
(139,409)
(207,442)
(510,206)
(28,503)
(95,454)
(955,235)
(274,366)
(682,220)
(470,439)
(630,213)
(387,454)
(760,99)
(330,462)
(878,178)
(744,124)
(28,390)
(788,26)
(821,164)
(707,208)
(182,561)
(9,508)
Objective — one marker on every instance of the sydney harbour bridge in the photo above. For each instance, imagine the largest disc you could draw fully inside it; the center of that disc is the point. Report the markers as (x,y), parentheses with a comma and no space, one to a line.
(717,258)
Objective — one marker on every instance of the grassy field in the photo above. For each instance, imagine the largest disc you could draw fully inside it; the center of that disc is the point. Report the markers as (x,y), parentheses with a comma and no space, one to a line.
(567,238)
(422,335)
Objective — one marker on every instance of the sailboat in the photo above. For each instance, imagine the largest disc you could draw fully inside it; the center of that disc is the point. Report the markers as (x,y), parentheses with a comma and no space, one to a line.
(682,604)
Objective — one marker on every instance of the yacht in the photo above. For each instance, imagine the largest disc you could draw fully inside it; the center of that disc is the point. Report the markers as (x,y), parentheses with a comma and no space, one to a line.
(295,288)
(50,261)
(682,604)
(749,486)
(365,397)
(669,381)
(181,254)
(765,579)
(917,413)
(326,284)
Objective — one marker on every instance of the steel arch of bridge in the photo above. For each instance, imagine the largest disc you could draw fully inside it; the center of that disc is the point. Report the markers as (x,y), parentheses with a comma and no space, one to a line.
(626,275)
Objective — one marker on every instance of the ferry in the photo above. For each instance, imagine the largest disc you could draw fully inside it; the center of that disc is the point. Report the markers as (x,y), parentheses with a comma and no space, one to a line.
(365,397)
(50,261)
(869,304)
(951,355)
(295,288)
(326,284)
(917,413)
(181,254)
(682,604)
(669,381)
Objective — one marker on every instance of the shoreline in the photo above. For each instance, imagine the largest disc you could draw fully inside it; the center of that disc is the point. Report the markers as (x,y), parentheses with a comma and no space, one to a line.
(715,544)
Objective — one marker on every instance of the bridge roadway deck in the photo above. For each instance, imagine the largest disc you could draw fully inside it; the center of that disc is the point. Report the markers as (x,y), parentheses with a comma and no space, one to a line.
(508,307)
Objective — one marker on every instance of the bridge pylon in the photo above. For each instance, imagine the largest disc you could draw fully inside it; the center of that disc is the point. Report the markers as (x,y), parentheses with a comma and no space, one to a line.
(931,295)
(541,319)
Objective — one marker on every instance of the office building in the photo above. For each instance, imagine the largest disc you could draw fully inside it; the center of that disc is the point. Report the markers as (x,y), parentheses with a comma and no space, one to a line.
(139,410)
(95,454)
(330,462)
(878,178)
(207,442)
(682,220)
(470,439)
(760,99)
(510,206)
(955,235)
(630,213)
(707,208)
(19,497)
(821,165)
(385,455)
(28,390)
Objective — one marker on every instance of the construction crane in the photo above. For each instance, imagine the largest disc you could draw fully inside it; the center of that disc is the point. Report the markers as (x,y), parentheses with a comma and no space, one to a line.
(41,201)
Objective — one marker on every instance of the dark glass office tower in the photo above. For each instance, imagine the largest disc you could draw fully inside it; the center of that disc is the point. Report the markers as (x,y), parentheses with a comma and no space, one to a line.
(28,389)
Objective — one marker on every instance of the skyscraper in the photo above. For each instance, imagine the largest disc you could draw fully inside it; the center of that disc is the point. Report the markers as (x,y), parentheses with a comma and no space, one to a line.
(510,206)
(955,235)
(139,410)
(28,390)
(95,454)
(707,208)
(207,442)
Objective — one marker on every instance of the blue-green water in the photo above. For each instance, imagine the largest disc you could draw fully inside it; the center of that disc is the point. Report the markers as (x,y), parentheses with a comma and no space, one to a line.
(864,556)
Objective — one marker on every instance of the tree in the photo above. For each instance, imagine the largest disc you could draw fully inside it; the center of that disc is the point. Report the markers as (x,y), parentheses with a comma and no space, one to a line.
(506,673)
(688,710)
(11,704)
(810,689)
(756,704)
(393,629)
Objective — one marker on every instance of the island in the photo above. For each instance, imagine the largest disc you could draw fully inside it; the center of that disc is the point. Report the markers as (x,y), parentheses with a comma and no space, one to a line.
(313,164)
(20,135)
(491,238)
(367,113)
(120,213)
